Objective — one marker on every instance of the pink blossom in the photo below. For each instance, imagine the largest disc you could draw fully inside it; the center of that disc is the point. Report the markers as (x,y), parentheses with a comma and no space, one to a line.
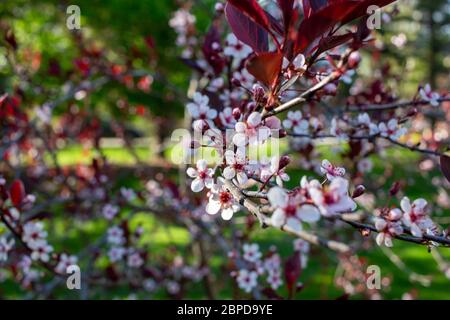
(290,210)
(251,252)
(220,199)
(333,199)
(331,171)
(236,48)
(236,166)
(415,216)
(388,227)
(428,95)
(391,130)
(203,176)
(296,122)
(251,131)
(247,280)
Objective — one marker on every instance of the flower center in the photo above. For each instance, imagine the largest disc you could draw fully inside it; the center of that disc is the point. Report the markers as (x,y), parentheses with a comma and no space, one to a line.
(225,197)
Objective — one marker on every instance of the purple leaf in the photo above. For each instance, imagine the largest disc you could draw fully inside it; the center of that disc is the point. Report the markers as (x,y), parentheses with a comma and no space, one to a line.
(246,30)
(445,166)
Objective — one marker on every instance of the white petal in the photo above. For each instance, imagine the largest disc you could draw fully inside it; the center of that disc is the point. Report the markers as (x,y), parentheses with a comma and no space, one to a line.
(405,204)
(415,230)
(278,218)
(380,238)
(278,197)
(229,173)
(227,214)
(191,172)
(239,140)
(197,185)
(308,213)
(213,207)
(202,165)
(254,119)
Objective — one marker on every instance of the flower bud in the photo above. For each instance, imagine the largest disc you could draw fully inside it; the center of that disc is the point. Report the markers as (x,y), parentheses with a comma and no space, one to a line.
(235,82)
(395,188)
(258,93)
(236,114)
(359,191)
(284,161)
(354,59)
(219,7)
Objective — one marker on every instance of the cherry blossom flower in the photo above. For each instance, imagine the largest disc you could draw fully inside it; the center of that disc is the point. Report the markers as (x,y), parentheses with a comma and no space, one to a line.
(41,250)
(244,77)
(333,199)
(274,279)
(5,247)
(297,66)
(134,260)
(331,171)
(428,95)
(236,48)
(247,280)
(215,84)
(415,216)
(109,211)
(391,130)
(115,236)
(227,118)
(388,227)
(236,166)
(289,209)
(251,131)
(365,165)
(116,254)
(251,252)
(222,200)
(203,176)
(200,111)
(64,262)
(128,194)
(296,122)
(275,169)
(33,232)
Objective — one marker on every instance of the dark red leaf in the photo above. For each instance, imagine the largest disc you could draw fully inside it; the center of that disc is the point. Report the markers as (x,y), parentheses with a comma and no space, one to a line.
(286,7)
(246,30)
(361,9)
(334,13)
(333,41)
(292,270)
(253,10)
(320,23)
(266,67)
(445,166)
(17,192)
(311,6)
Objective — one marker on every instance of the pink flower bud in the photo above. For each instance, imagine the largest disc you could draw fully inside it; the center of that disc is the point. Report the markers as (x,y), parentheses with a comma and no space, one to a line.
(359,191)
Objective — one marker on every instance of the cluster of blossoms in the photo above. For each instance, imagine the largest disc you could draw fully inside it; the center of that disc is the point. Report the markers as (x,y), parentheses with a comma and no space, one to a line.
(253,265)
(413,216)
(183,22)
(35,236)
(312,199)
